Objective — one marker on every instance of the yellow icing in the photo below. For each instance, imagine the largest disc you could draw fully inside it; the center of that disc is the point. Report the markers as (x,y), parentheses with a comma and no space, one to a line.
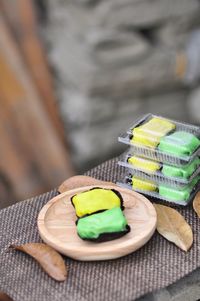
(150,133)
(144,164)
(143,184)
(94,200)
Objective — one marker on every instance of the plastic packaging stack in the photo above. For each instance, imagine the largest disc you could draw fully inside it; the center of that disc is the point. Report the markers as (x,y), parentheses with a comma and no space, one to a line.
(163,159)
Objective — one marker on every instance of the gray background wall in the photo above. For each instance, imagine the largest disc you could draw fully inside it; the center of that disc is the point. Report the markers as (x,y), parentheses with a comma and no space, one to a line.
(115,60)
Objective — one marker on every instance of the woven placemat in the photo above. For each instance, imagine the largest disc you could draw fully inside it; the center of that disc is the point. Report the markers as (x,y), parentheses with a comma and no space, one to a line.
(156,265)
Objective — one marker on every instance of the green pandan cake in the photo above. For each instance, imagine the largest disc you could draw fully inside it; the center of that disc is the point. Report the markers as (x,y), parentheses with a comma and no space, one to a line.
(178,195)
(107,225)
(179,143)
(181,172)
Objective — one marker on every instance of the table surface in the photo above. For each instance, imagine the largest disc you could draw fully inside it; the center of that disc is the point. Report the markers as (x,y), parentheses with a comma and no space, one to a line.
(157,265)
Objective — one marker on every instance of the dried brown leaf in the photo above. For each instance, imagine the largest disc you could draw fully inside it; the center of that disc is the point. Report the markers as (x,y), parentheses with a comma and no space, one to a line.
(172,225)
(196,204)
(80,181)
(4,297)
(49,259)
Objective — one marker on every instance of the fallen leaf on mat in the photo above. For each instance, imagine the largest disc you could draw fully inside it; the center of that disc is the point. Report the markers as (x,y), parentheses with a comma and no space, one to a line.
(196,204)
(4,297)
(80,181)
(172,225)
(49,259)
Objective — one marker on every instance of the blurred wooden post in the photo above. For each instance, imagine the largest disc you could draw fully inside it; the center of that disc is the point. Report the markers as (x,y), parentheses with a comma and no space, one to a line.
(32,155)
(22,20)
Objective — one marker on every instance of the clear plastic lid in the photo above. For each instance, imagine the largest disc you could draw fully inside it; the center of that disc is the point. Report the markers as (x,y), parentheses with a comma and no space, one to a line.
(163,139)
(162,191)
(162,173)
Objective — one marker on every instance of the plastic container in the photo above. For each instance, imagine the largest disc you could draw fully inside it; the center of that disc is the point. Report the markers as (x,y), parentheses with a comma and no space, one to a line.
(155,192)
(163,140)
(148,171)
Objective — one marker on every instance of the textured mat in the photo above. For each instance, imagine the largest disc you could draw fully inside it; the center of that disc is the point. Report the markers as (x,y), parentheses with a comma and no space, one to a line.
(156,265)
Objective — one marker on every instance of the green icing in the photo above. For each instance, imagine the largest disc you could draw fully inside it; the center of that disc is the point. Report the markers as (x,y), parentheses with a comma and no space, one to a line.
(178,195)
(173,194)
(183,172)
(109,221)
(179,143)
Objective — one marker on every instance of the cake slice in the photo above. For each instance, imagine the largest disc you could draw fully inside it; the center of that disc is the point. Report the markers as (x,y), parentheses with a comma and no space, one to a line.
(95,200)
(150,133)
(107,225)
(184,171)
(175,194)
(179,143)
(145,185)
(144,164)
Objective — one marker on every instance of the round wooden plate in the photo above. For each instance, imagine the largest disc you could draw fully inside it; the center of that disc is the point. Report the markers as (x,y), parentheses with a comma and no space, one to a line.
(56,224)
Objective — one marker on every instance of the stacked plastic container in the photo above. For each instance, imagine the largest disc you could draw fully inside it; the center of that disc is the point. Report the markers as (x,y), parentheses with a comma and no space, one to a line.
(163,159)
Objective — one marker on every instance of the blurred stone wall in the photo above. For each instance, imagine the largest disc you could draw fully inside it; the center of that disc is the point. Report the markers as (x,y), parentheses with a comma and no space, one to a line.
(115,60)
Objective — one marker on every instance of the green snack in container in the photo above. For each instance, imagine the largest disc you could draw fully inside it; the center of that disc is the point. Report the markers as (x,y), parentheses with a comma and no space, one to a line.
(175,194)
(107,225)
(179,143)
(181,172)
